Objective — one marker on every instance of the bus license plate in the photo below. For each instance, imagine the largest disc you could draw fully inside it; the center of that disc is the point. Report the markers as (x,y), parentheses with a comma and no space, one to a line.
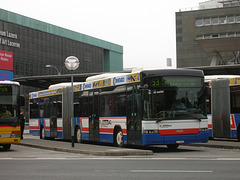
(179,142)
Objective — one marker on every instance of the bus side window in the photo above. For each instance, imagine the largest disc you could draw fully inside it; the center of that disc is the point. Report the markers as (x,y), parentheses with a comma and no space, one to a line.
(83,100)
(34,109)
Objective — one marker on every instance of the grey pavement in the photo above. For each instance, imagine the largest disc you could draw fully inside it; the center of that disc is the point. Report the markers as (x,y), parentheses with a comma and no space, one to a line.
(82,148)
(109,150)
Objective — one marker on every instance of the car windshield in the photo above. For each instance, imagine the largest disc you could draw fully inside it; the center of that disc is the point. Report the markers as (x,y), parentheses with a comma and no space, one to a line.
(175,103)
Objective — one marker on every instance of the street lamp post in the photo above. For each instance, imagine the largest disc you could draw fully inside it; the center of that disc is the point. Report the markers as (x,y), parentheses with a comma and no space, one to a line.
(49,66)
(72,64)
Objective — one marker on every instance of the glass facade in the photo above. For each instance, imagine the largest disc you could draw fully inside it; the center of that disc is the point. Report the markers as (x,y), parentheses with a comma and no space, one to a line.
(33,50)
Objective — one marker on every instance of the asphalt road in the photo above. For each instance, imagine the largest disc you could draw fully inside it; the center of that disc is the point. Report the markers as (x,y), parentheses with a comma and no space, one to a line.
(187,163)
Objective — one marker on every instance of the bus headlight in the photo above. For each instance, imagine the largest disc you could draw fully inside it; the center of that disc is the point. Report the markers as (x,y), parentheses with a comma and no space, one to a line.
(150,131)
(203,129)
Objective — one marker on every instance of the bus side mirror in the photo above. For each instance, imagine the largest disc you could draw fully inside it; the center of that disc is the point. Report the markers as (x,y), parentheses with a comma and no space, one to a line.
(145,94)
(22,101)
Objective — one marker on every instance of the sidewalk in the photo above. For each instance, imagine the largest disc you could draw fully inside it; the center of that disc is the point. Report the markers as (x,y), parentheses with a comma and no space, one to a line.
(219,143)
(109,150)
(82,148)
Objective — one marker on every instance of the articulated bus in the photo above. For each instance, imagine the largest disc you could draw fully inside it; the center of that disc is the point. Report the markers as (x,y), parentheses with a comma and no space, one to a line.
(148,107)
(223,106)
(9,113)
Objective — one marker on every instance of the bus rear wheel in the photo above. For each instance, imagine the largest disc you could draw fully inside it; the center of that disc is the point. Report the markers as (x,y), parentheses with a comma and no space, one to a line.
(78,135)
(42,135)
(119,138)
(6,146)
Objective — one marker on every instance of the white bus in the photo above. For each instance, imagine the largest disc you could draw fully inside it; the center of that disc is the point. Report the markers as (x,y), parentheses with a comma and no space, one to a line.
(140,108)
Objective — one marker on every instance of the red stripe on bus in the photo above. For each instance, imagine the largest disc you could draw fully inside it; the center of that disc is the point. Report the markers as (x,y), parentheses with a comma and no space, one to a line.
(34,127)
(106,130)
(84,129)
(179,131)
(233,124)
(59,128)
(110,130)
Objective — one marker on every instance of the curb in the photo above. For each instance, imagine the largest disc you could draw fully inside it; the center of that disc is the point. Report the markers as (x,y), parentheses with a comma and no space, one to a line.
(214,146)
(95,153)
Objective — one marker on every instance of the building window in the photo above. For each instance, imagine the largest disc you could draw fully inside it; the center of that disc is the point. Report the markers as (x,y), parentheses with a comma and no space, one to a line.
(179,39)
(208,36)
(199,22)
(223,20)
(199,37)
(231,34)
(215,21)
(223,35)
(238,19)
(215,36)
(231,19)
(207,21)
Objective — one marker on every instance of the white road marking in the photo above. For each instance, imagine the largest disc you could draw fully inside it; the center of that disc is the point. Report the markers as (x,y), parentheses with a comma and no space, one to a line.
(119,158)
(169,171)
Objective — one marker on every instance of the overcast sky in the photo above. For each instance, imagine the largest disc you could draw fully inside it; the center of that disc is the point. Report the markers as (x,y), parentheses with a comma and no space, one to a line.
(145,28)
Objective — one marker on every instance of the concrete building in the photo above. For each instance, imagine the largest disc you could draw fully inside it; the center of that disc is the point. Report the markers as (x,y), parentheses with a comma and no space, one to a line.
(209,36)
(28,45)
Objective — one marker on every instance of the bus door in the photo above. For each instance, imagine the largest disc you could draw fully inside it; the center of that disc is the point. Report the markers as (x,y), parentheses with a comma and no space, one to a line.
(94,116)
(53,117)
(134,130)
(66,112)
(220,107)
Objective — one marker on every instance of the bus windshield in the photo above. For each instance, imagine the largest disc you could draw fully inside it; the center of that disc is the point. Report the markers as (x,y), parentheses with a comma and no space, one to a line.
(175,98)
(9,103)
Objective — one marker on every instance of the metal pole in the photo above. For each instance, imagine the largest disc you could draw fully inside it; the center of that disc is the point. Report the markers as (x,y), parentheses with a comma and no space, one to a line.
(72,119)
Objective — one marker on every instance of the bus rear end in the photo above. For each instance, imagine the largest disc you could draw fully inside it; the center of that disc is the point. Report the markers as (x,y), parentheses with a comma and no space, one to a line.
(174,108)
(9,114)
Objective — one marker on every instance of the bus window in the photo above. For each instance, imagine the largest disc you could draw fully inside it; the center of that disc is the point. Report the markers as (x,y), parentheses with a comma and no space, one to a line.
(106,102)
(84,103)
(34,109)
(77,104)
(235,99)
(46,108)
(120,101)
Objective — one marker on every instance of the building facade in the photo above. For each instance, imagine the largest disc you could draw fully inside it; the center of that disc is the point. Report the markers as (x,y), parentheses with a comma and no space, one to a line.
(209,36)
(28,45)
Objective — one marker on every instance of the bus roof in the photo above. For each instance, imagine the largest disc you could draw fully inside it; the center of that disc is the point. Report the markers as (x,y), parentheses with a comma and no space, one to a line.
(9,83)
(233,79)
(62,85)
(211,77)
(112,79)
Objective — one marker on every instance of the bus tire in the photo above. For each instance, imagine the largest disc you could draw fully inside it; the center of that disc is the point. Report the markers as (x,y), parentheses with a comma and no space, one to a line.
(6,146)
(118,137)
(172,146)
(78,135)
(42,133)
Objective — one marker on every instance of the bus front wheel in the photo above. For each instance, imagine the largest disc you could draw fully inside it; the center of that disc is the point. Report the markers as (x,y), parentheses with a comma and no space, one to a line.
(119,138)
(6,146)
